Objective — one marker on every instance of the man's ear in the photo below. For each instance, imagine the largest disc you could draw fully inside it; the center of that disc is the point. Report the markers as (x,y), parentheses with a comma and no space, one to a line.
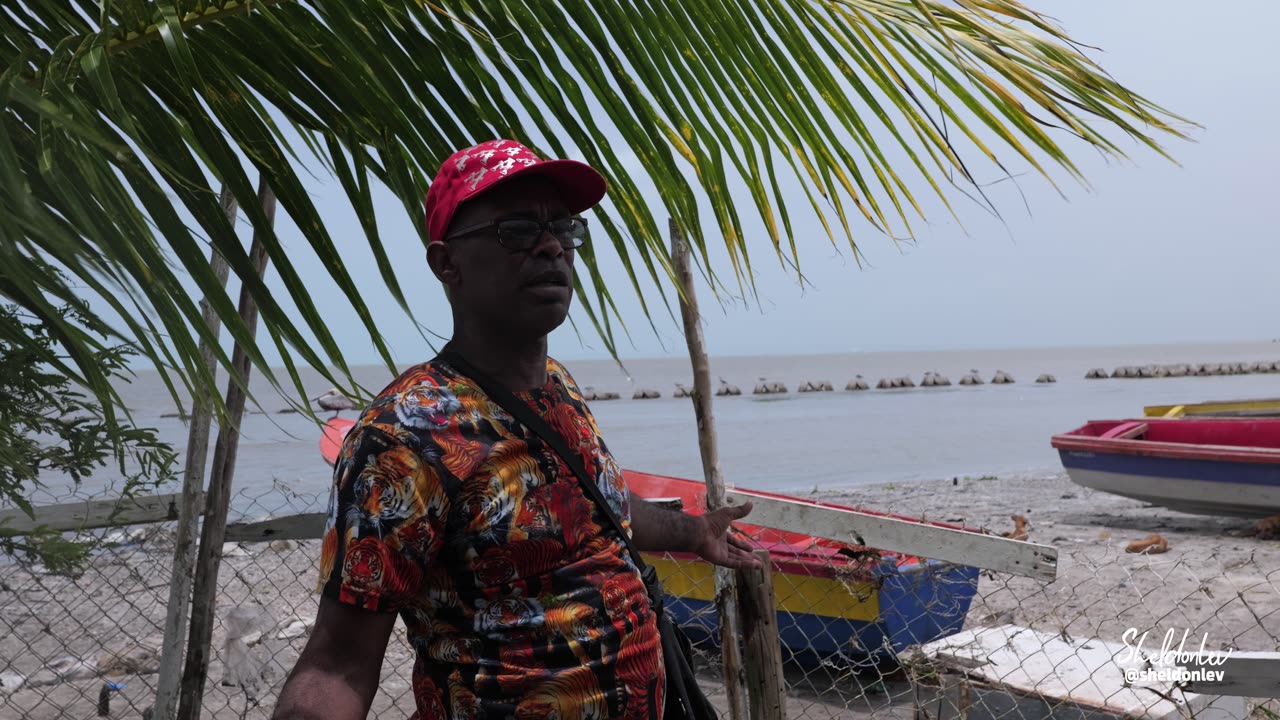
(441,262)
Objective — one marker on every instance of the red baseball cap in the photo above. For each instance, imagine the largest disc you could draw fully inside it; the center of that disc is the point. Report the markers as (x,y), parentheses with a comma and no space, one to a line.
(468,173)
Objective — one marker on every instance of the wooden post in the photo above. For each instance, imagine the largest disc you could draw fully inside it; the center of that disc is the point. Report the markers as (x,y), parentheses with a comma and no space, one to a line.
(765,687)
(218,498)
(189,509)
(726,586)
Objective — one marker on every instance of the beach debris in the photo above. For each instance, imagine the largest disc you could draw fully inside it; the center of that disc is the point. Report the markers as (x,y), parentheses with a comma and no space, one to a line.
(132,660)
(769,387)
(1096,374)
(1152,544)
(816,386)
(1046,378)
(10,681)
(245,664)
(1104,535)
(333,400)
(682,391)
(233,549)
(295,627)
(1020,528)
(727,389)
(857,383)
(1267,528)
(1002,378)
(281,546)
(129,536)
(973,378)
(72,668)
(646,394)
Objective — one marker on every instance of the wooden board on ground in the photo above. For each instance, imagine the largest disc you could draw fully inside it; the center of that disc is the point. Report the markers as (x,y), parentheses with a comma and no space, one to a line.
(307,526)
(90,514)
(1013,671)
(934,542)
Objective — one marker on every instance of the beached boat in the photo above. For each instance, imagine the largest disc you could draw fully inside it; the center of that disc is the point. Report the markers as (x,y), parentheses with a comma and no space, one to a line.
(835,602)
(1217,408)
(1206,466)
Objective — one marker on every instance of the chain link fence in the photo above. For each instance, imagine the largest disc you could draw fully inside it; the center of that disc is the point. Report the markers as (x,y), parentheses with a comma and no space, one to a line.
(863,633)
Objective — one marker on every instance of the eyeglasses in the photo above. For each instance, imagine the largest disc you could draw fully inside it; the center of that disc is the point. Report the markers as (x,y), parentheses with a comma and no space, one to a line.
(524,234)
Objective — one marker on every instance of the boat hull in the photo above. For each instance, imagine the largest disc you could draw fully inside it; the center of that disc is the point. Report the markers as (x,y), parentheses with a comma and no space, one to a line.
(1200,466)
(1172,489)
(828,620)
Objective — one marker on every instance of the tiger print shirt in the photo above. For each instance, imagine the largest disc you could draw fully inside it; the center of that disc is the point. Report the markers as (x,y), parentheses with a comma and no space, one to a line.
(519,598)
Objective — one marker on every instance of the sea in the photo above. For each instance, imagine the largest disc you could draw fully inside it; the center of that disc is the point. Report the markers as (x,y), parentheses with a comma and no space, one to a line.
(794,443)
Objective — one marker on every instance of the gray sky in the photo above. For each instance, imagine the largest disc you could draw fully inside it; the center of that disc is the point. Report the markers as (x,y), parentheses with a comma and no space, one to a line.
(1152,252)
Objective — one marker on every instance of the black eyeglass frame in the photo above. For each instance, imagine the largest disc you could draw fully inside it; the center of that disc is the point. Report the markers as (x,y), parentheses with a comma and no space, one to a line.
(543,228)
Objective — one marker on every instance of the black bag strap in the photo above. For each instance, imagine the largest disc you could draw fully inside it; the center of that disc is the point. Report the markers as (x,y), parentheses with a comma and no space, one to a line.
(525,415)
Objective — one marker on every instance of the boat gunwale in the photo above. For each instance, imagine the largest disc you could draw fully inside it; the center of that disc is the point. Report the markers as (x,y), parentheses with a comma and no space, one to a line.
(1074,441)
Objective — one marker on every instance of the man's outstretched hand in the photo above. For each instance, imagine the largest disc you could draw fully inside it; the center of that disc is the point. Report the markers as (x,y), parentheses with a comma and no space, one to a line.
(721,544)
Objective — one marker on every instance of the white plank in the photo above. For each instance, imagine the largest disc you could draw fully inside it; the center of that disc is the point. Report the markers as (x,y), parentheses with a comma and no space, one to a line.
(988,552)
(91,514)
(308,526)
(1246,674)
(1084,671)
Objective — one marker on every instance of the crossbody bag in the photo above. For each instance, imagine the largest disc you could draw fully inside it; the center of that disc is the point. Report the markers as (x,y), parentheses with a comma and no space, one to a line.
(684,699)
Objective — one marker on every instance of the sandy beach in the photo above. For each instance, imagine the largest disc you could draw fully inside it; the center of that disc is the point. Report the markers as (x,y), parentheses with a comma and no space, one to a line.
(1210,582)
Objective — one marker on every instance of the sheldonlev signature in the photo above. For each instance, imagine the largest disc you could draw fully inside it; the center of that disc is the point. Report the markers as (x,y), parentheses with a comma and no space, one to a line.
(1169,663)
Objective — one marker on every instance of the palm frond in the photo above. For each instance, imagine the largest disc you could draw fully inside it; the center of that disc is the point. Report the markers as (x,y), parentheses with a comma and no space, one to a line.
(122,118)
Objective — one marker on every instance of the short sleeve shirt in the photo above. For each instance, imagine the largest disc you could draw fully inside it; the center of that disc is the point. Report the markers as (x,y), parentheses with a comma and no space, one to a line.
(519,598)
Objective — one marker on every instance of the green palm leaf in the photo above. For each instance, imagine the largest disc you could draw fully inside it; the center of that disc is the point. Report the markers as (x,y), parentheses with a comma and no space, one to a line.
(122,118)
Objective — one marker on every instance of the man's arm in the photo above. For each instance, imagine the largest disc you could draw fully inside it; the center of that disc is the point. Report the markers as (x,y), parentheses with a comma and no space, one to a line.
(336,675)
(657,529)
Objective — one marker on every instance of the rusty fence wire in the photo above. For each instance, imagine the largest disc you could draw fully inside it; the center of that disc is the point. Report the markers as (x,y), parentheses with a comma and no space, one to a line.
(864,634)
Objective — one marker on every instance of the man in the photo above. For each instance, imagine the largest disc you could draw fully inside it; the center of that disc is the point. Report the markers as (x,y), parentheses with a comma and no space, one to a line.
(519,599)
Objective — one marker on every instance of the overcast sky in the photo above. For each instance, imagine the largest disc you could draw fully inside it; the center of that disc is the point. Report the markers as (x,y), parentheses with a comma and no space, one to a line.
(1152,252)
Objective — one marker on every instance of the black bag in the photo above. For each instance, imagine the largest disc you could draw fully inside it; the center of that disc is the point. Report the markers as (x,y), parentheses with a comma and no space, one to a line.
(684,699)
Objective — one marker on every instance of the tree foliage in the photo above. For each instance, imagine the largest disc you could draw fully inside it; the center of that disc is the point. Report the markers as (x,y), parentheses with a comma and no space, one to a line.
(50,429)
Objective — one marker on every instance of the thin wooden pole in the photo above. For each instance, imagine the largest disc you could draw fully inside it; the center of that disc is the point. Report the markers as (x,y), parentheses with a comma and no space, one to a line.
(764,650)
(184,551)
(726,585)
(218,498)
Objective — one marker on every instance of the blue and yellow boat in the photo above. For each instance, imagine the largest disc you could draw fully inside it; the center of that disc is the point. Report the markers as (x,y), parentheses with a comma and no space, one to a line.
(835,602)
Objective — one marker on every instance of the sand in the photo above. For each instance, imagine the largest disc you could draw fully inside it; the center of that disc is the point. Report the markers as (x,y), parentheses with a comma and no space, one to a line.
(1210,583)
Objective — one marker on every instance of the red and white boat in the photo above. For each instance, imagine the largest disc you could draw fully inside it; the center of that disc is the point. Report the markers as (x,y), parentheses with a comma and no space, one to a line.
(1205,466)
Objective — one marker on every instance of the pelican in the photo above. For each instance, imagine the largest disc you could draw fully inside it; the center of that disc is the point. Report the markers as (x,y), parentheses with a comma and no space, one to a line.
(334,400)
